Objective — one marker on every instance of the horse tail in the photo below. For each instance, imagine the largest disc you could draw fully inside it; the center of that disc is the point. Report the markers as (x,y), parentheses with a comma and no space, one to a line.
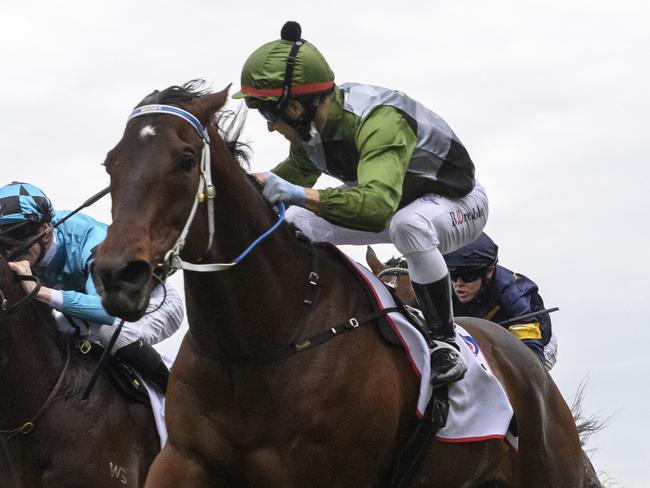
(587,426)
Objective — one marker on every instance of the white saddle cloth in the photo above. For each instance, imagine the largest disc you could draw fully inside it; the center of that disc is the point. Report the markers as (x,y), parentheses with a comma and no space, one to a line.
(479,408)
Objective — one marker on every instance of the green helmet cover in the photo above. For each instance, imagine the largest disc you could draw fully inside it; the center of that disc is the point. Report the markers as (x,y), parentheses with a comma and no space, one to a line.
(263,73)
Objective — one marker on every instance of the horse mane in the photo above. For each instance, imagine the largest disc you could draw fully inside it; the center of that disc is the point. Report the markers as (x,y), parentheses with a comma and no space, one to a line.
(229,123)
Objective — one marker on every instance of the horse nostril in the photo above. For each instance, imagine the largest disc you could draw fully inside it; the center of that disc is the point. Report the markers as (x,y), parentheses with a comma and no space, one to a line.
(135,274)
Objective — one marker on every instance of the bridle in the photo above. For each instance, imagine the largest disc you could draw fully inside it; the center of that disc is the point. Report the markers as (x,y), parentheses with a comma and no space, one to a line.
(205,192)
(394,273)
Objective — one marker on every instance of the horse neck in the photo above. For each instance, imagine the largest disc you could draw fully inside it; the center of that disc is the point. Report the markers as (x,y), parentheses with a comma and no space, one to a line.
(30,361)
(253,306)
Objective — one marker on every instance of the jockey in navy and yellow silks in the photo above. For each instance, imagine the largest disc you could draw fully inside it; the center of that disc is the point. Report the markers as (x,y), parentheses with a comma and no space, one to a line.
(487,290)
(62,259)
(407,178)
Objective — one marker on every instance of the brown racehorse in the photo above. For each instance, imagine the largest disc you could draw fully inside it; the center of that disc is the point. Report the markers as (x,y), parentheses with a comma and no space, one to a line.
(395,274)
(241,413)
(105,441)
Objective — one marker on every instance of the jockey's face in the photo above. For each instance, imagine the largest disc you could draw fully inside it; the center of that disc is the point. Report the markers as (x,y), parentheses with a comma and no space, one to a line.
(289,133)
(466,290)
(32,254)
(293,112)
(36,250)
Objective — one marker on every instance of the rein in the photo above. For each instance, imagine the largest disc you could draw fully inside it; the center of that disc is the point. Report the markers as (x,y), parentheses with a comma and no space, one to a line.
(205,192)
(29,425)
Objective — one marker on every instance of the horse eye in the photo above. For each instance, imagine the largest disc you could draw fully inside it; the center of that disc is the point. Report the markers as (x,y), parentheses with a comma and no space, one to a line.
(186,162)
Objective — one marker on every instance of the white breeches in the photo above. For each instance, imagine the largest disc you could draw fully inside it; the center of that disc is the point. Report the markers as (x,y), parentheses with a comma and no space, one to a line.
(150,329)
(421,231)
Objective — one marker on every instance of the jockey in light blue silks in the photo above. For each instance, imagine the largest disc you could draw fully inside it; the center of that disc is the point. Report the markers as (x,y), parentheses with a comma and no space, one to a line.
(62,260)
(407,178)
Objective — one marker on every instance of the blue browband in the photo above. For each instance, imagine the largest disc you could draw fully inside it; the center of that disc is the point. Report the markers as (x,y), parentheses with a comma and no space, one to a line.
(179,112)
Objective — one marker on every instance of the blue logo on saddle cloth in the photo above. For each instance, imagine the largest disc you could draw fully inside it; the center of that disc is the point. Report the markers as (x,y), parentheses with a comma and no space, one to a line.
(471,343)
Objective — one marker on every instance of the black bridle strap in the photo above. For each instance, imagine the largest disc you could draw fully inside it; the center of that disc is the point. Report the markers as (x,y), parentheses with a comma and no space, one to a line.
(28,426)
(26,299)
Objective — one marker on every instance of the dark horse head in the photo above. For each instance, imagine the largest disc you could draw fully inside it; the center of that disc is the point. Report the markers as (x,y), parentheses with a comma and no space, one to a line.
(164,157)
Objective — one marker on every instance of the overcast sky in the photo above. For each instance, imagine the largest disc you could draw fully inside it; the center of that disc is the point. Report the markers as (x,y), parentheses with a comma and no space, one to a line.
(550,98)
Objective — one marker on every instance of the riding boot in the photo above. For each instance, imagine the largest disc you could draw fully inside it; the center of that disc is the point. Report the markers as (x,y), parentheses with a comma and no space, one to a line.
(146,361)
(447,365)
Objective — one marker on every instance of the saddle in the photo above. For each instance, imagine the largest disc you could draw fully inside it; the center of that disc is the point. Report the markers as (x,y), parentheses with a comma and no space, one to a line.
(121,374)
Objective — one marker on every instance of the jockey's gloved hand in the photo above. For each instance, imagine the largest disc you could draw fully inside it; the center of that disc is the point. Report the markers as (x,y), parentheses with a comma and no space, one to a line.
(277,190)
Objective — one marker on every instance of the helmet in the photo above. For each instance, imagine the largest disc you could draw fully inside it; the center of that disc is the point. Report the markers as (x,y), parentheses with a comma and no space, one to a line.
(20,202)
(269,73)
(480,253)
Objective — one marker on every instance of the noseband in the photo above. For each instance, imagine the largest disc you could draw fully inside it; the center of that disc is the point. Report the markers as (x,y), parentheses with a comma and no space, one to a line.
(172,261)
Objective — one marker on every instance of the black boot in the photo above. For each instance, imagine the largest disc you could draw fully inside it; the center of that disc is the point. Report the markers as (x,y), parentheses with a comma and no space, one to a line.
(146,361)
(447,365)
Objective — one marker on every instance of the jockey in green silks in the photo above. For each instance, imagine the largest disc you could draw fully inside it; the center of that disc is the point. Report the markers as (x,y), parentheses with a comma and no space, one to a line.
(407,178)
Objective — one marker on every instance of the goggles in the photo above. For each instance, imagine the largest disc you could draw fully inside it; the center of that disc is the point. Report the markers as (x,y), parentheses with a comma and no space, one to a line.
(270,116)
(267,109)
(467,275)
(22,231)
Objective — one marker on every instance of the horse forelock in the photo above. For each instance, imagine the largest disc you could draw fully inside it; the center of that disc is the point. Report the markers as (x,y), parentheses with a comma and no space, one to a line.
(229,124)
(177,94)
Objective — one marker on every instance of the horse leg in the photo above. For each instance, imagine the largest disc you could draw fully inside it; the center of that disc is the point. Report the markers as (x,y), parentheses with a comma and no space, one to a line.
(173,468)
(482,464)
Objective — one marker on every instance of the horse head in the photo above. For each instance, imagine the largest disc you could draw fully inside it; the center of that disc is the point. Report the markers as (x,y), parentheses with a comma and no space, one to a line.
(155,171)
(394,274)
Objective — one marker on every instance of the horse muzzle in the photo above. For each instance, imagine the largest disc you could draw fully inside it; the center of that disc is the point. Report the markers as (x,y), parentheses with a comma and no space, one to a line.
(125,286)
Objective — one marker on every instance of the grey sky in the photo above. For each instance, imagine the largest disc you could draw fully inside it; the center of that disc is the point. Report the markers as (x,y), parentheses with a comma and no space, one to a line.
(550,97)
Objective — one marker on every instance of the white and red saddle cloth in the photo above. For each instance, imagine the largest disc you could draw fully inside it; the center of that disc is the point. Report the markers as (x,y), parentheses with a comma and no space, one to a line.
(479,408)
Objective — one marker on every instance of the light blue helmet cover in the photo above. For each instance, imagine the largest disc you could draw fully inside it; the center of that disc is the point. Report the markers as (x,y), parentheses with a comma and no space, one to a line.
(21,201)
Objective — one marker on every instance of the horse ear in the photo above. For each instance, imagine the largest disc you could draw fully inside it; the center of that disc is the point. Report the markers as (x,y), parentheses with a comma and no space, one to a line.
(207,105)
(149,98)
(373,261)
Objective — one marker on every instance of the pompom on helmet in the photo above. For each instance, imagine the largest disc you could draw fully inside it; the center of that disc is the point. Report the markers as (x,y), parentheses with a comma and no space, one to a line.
(473,260)
(22,204)
(284,68)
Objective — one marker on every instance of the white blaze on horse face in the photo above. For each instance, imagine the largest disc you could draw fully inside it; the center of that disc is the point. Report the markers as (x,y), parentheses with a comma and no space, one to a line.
(146,131)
